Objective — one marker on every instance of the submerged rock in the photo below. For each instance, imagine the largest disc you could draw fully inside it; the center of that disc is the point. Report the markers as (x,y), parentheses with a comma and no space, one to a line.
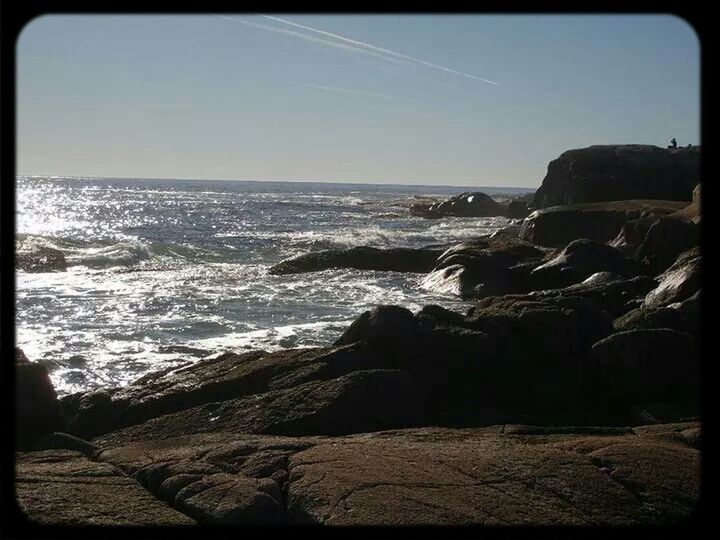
(41,259)
(361,258)
(619,172)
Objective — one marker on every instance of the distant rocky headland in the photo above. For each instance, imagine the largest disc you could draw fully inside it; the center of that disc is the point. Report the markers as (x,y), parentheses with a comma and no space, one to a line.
(568,394)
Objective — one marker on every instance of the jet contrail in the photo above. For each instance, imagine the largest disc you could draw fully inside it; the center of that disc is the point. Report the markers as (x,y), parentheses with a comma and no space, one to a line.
(377,49)
(313,39)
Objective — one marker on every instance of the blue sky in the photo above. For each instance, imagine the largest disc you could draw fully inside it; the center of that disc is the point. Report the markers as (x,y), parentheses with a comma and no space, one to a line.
(354,98)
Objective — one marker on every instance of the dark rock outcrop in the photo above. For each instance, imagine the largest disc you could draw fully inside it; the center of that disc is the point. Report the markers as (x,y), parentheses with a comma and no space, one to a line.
(645,366)
(355,403)
(361,258)
(578,261)
(468,204)
(602,222)
(619,172)
(679,282)
(381,323)
(36,405)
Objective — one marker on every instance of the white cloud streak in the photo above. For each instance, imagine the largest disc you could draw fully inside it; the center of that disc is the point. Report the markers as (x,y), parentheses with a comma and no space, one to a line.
(370,47)
(313,39)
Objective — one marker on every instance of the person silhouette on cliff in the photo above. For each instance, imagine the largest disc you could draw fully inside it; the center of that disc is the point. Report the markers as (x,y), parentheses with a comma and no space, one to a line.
(673,144)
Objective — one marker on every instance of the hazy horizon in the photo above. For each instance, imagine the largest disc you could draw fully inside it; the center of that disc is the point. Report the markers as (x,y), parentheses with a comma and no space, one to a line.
(418,100)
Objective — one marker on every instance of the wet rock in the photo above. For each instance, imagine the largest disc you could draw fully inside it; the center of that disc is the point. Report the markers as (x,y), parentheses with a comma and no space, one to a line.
(418,260)
(475,269)
(518,209)
(63,441)
(681,316)
(608,290)
(679,282)
(20,356)
(182,349)
(36,405)
(557,226)
(40,259)
(468,204)
(619,172)
(579,260)
(665,239)
(62,487)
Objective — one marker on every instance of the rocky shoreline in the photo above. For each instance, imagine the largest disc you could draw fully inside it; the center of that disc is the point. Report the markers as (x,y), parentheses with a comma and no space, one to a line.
(567,395)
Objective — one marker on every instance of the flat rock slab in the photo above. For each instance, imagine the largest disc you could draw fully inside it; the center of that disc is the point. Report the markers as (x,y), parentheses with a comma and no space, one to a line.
(499,475)
(63,487)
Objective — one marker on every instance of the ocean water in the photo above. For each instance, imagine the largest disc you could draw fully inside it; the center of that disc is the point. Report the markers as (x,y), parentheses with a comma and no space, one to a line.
(162,272)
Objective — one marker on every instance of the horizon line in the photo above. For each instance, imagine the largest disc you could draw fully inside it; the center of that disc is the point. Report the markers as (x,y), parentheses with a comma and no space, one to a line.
(97,177)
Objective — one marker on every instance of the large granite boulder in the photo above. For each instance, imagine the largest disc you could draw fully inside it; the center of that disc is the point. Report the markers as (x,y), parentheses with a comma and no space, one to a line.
(499,475)
(679,282)
(539,345)
(419,260)
(602,221)
(36,405)
(578,261)
(468,204)
(644,366)
(62,487)
(619,172)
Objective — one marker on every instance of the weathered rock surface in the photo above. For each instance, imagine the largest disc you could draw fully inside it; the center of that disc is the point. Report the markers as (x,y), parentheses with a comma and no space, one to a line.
(558,225)
(693,211)
(468,204)
(578,261)
(62,487)
(418,260)
(500,475)
(36,406)
(679,282)
(619,172)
